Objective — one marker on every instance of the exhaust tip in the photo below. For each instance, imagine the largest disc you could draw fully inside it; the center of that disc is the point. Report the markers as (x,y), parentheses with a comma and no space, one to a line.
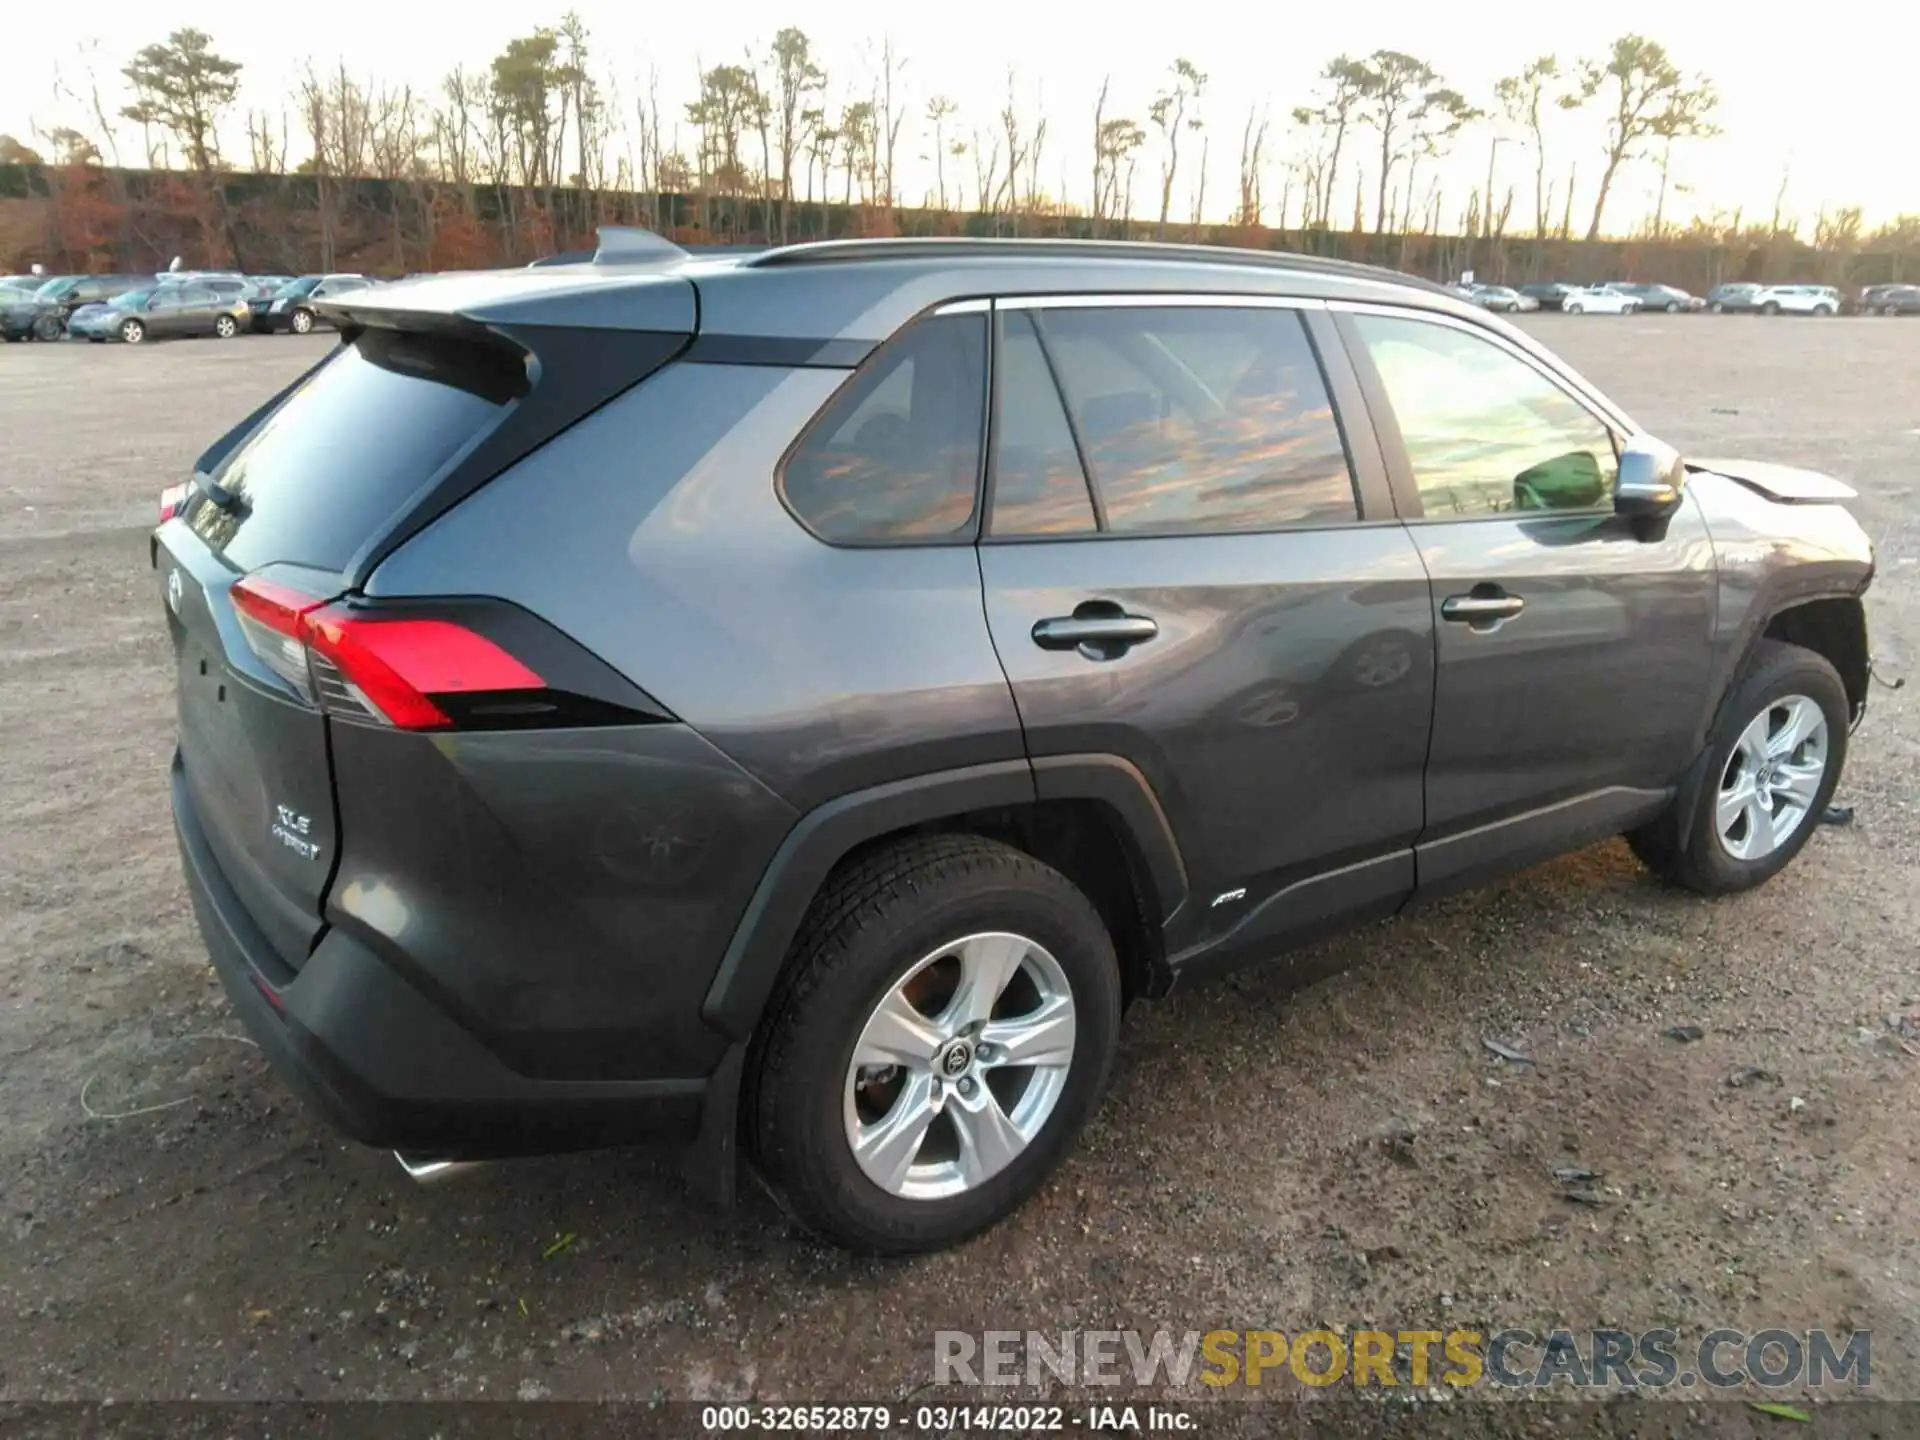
(435,1169)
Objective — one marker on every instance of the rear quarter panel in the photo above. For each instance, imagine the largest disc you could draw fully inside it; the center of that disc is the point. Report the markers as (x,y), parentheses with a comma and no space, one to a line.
(651,532)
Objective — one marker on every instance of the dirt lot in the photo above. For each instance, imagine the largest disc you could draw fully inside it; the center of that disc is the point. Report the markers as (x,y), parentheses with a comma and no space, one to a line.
(1344,1155)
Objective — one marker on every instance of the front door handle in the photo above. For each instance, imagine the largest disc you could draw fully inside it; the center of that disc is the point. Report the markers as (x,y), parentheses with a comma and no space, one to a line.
(1098,629)
(1486,608)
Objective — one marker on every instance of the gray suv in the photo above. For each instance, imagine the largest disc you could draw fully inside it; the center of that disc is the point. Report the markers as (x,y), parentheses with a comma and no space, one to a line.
(790,704)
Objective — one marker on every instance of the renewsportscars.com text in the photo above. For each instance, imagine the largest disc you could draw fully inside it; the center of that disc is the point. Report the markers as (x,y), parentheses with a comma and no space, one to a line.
(1510,1358)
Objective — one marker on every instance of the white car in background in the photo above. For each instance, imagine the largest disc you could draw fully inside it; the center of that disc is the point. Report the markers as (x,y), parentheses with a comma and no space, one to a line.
(1796,300)
(1597,300)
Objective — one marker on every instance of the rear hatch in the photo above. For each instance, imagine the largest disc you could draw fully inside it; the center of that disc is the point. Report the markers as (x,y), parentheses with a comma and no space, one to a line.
(259,565)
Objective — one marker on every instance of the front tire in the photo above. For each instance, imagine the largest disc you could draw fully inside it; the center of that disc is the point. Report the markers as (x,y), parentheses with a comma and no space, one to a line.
(1673,307)
(1770,308)
(1572,307)
(1770,767)
(945,1029)
(49,328)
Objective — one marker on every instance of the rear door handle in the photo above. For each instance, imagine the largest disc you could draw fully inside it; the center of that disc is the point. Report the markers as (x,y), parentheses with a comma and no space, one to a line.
(1481,610)
(1099,630)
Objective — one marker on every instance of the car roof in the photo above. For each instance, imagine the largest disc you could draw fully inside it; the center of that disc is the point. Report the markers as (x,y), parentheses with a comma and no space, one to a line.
(862,290)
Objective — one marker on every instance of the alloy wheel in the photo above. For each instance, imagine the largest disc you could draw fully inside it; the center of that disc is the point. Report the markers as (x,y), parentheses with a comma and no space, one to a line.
(302,322)
(1771,778)
(959,1066)
(225,327)
(133,332)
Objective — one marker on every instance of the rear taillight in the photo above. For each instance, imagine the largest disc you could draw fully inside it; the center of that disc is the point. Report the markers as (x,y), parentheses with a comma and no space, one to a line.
(380,668)
(172,499)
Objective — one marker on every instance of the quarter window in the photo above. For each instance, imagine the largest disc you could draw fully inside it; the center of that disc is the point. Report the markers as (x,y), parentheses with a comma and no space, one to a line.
(1485,432)
(895,456)
(1201,418)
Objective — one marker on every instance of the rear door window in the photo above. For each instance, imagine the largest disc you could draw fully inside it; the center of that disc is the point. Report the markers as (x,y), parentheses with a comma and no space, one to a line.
(1039,487)
(325,472)
(1202,419)
(895,455)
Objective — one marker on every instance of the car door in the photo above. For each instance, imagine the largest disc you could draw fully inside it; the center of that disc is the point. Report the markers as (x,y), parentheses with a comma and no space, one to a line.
(1191,564)
(203,302)
(165,309)
(1573,644)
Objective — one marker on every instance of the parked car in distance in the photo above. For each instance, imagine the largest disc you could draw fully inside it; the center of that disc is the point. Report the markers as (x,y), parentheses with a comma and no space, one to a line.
(1597,300)
(64,294)
(560,764)
(1499,297)
(1822,300)
(20,311)
(1895,299)
(295,308)
(1658,297)
(162,312)
(1734,295)
(1547,294)
(259,295)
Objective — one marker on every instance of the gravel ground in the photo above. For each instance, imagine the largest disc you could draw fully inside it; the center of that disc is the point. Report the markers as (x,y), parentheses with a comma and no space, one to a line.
(176,1226)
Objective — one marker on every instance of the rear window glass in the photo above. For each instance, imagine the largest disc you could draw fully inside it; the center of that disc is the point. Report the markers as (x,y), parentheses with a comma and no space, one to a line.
(323,474)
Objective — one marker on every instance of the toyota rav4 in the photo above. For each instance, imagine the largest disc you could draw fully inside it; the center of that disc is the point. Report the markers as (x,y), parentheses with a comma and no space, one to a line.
(790,704)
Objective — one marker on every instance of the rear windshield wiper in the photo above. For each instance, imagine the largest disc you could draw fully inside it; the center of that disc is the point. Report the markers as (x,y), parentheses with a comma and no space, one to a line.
(222,498)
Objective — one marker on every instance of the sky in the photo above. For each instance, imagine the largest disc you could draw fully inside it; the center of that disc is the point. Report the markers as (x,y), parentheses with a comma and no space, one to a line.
(1830,112)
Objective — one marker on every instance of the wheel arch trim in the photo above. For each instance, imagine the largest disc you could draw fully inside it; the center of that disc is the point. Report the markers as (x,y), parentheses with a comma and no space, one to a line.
(820,839)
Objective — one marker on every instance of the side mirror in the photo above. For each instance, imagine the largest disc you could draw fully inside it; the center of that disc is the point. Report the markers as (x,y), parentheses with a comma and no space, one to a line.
(1652,477)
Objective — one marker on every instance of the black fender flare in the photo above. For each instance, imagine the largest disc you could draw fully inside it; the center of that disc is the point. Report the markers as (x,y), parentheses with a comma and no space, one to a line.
(823,836)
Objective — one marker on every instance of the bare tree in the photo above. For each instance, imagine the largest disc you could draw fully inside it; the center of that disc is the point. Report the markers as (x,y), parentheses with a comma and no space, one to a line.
(1169,113)
(1253,140)
(1685,116)
(1327,121)
(1524,99)
(796,79)
(940,110)
(1392,84)
(1642,82)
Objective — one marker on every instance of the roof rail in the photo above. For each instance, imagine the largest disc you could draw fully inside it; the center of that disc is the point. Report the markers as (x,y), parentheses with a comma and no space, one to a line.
(827,252)
(632,245)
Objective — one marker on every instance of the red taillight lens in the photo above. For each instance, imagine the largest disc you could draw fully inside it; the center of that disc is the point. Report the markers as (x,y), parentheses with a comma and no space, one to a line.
(396,664)
(171,499)
(271,617)
(384,668)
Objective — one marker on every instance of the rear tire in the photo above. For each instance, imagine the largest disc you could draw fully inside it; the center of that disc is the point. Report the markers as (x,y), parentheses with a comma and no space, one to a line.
(300,322)
(1772,307)
(880,927)
(132,331)
(49,328)
(1572,307)
(1673,307)
(226,327)
(1702,858)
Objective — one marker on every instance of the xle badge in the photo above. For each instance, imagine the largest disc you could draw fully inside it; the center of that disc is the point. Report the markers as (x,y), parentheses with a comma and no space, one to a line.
(291,829)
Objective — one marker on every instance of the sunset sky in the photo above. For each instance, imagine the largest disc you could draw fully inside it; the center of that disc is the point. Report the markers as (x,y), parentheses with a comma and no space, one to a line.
(1833,112)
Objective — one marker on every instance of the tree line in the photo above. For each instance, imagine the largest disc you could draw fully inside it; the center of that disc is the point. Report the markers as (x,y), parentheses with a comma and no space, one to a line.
(774,145)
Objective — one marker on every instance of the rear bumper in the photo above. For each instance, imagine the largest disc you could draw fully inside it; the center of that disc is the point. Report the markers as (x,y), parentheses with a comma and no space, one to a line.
(384,1063)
